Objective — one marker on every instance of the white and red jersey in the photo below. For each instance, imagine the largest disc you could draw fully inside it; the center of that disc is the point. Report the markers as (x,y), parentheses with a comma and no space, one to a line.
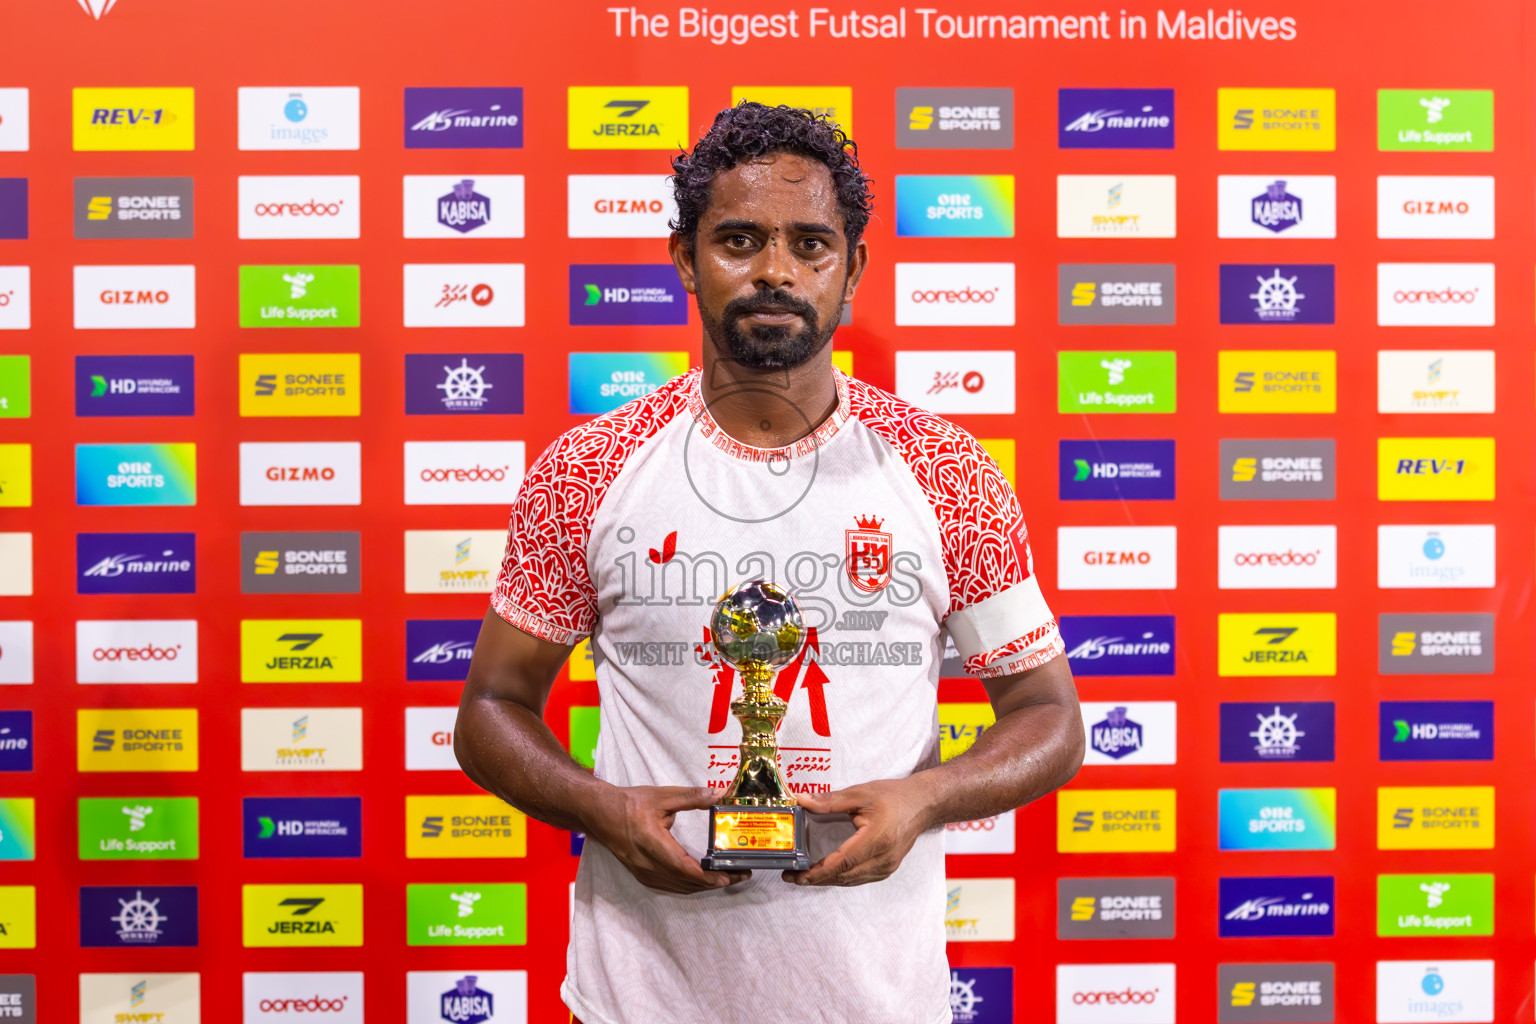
(891,527)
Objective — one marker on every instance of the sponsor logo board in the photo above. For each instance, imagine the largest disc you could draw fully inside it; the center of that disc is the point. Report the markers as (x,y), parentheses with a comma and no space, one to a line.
(18,917)
(1278,819)
(15,315)
(301,739)
(1276,732)
(15,735)
(136,474)
(1421,557)
(1116,206)
(18,996)
(1117,557)
(14,121)
(954,118)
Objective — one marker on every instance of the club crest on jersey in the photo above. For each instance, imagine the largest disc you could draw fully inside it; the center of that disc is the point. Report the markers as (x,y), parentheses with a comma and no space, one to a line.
(869,555)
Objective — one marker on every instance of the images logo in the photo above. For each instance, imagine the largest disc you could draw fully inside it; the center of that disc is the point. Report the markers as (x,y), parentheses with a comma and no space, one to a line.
(1287,381)
(1435,295)
(1416,557)
(1434,905)
(1265,206)
(135,297)
(135,474)
(1434,818)
(458,383)
(1116,382)
(954,118)
(1283,293)
(463,826)
(313,296)
(300,384)
(1117,557)
(1277,557)
(1115,206)
(1136,732)
(619,206)
(297,562)
(1435,469)
(294,206)
(1275,992)
(1116,470)
(138,828)
(466,915)
(628,117)
(1276,644)
(15,728)
(134,386)
(602,381)
(1114,118)
(439,649)
(317,826)
(299,119)
(163,915)
(954,205)
(133,119)
(464,295)
(1277,819)
(1434,381)
(1277,732)
(1119,645)
(301,650)
(1115,908)
(1436,730)
(133,208)
(1428,206)
(302,915)
(136,739)
(1115,293)
(1114,993)
(301,739)
(630,294)
(955,294)
(1436,644)
(481,118)
(1272,907)
(136,563)
(300,473)
(1434,120)
(1116,820)
(1275,119)
(1420,990)
(1271,470)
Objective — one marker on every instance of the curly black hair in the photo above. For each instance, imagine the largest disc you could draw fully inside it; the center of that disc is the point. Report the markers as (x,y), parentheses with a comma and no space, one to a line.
(750,130)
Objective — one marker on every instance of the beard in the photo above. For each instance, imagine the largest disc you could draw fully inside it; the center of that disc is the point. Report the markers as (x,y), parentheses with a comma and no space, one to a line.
(770,346)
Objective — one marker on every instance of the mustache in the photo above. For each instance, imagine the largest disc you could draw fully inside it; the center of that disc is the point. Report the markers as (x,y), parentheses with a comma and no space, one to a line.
(759,301)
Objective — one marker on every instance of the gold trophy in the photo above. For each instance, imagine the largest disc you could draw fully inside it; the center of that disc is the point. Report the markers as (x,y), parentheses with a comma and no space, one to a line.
(757,630)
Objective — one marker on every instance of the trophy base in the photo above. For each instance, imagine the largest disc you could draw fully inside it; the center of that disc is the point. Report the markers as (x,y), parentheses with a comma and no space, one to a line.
(756,839)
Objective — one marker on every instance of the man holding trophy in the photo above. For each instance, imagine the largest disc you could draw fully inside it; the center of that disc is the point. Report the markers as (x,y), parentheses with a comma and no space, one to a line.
(769,539)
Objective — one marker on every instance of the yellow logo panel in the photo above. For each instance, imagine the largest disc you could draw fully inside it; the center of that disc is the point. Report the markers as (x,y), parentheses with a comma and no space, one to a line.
(136,740)
(835,101)
(1275,119)
(301,650)
(628,117)
(15,475)
(463,826)
(581,666)
(1004,452)
(1434,468)
(302,915)
(960,725)
(1116,821)
(843,360)
(300,384)
(18,917)
(1276,382)
(1277,644)
(133,119)
(1434,818)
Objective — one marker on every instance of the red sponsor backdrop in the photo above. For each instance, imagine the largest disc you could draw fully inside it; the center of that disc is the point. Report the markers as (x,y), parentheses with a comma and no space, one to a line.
(52,45)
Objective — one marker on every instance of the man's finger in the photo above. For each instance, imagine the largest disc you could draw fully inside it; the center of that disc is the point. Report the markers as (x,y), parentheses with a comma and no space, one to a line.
(843,801)
(856,849)
(685,798)
(669,855)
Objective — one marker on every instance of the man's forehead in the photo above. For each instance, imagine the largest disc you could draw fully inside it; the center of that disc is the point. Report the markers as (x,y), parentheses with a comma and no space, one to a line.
(777,187)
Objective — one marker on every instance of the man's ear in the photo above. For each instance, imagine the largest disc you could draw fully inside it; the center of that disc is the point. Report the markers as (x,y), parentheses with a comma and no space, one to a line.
(858,259)
(682,258)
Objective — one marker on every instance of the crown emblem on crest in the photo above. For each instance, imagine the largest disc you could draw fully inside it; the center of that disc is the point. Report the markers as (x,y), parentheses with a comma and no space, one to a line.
(868,522)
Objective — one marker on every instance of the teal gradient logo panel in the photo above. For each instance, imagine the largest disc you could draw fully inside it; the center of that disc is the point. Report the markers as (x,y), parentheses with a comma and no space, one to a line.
(18,830)
(136,474)
(1278,819)
(954,205)
(603,381)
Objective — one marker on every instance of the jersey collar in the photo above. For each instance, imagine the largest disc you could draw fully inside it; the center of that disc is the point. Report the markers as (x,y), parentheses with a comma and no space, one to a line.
(705,423)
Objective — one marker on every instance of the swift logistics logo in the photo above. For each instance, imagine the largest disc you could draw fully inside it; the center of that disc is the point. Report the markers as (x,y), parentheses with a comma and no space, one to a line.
(144,119)
(136,740)
(301,915)
(1115,908)
(1423,557)
(1278,819)
(1130,733)
(1276,119)
(138,828)
(1435,469)
(954,205)
(300,384)
(1271,907)
(1434,120)
(140,997)
(1277,293)
(487,117)
(627,117)
(954,118)
(487,914)
(136,563)
(301,650)
(1434,818)
(1116,470)
(439,649)
(139,917)
(1114,118)
(133,208)
(299,118)
(1276,381)
(314,826)
(979,909)
(1115,293)
(602,381)
(1435,644)
(452,561)
(438,827)
(1116,821)
(1276,732)
(136,474)
(1116,206)
(300,296)
(1116,382)
(459,383)
(301,739)
(1276,644)
(1277,470)
(1119,645)
(1117,557)
(626,294)
(1436,730)
(1430,381)
(1434,905)
(134,386)
(296,562)
(1267,206)
(1275,993)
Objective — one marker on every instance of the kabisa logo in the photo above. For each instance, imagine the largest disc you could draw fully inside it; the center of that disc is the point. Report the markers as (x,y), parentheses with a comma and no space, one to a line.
(467,1002)
(321,826)
(602,381)
(458,383)
(138,828)
(1115,293)
(1115,908)
(136,740)
(626,293)
(133,208)
(1277,293)
(134,386)
(1292,993)
(1119,645)
(1436,643)
(1277,470)
(627,117)
(981,995)
(1272,207)
(1116,470)
(1437,905)
(463,826)
(300,563)
(1413,557)
(1277,819)
(954,118)
(1109,820)
(466,118)
(1436,730)
(1116,736)
(439,649)
(1114,118)
(1434,120)
(1254,907)
(136,563)
(163,915)
(301,650)
(1274,732)
(1133,732)
(302,915)
(15,740)
(1275,119)
(159,119)
(1277,644)
(299,119)
(954,206)
(463,210)
(1276,210)
(492,914)
(1116,382)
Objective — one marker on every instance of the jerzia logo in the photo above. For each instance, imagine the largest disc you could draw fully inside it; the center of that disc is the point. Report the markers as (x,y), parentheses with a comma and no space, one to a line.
(311,915)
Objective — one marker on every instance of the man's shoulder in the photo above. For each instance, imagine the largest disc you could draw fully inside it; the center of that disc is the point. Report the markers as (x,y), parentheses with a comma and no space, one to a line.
(620,432)
(908,428)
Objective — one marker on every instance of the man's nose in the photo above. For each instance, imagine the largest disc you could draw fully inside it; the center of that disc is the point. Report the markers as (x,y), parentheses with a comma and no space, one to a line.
(774,267)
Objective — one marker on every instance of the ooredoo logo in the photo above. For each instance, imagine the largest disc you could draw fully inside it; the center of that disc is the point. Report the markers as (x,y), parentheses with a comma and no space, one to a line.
(1434,295)
(1115,993)
(299,206)
(1277,557)
(335,997)
(463,472)
(136,651)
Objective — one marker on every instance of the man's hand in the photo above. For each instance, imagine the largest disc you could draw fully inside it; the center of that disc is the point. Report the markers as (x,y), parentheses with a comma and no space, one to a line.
(634,823)
(889,816)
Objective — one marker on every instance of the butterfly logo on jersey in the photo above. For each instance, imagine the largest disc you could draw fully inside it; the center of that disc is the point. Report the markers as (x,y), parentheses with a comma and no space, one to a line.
(668,549)
(869,555)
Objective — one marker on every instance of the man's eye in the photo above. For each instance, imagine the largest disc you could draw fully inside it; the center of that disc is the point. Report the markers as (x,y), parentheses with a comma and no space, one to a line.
(814,244)
(739,240)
